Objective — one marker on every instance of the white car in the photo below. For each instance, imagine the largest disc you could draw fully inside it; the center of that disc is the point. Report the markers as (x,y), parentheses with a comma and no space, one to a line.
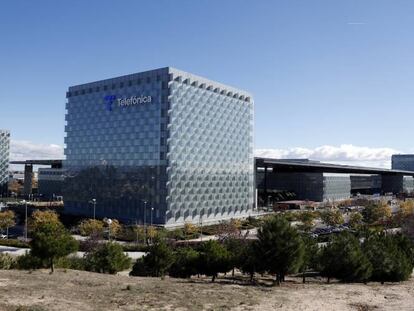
(3,236)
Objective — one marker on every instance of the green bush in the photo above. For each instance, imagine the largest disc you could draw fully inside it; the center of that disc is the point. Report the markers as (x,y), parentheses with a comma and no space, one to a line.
(251,222)
(14,243)
(185,263)
(140,268)
(107,258)
(344,259)
(389,258)
(156,263)
(71,262)
(130,247)
(127,234)
(214,258)
(29,262)
(6,261)
(176,234)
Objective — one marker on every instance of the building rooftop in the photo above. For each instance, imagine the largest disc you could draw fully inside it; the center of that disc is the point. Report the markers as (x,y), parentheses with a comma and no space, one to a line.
(282,165)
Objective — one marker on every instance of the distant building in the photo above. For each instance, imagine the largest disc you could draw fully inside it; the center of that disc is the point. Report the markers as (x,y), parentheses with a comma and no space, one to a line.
(408,184)
(4,161)
(319,187)
(403,162)
(366,184)
(50,182)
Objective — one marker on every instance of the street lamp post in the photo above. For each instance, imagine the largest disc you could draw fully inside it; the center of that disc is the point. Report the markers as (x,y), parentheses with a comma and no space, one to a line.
(93,201)
(151,215)
(25,221)
(109,222)
(151,222)
(145,220)
(201,227)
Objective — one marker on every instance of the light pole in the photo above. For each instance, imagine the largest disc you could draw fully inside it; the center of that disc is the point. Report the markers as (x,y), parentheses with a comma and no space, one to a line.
(25,221)
(151,215)
(151,223)
(201,227)
(145,220)
(109,222)
(93,201)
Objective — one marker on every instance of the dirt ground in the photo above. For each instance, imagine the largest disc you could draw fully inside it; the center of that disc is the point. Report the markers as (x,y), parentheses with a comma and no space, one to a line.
(77,290)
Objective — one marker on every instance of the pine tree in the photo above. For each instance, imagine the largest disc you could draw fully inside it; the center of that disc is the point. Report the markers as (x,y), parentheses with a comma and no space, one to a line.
(185,263)
(156,263)
(51,241)
(389,260)
(280,246)
(250,262)
(214,258)
(310,257)
(343,259)
(107,258)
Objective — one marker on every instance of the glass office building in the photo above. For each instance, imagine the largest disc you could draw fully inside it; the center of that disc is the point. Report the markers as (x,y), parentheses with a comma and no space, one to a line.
(404,162)
(4,161)
(161,146)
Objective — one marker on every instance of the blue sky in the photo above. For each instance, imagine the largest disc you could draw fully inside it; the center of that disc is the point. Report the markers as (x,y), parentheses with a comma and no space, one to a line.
(334,73)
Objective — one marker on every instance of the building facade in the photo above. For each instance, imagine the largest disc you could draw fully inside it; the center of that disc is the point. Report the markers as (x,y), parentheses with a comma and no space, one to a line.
(408,184)
(336,187)
(162,146)
(4,161)
(403,162)
(50,182)
(366,184)
(318,187)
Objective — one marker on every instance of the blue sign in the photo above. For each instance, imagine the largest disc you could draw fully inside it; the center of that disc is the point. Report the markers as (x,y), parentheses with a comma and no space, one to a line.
(109,100)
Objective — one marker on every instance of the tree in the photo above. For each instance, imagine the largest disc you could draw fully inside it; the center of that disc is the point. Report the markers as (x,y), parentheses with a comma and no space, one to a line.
(389,260)
(51,241)
(307,219)
(250,262)
(355,220)
(310,257)
(408,227)
(405,245)
(107,258)
(185,263)
(151,233)
(139,233)
(280,246)
(189,229)
(114,228)
(214,259)
(156,263)
(375,212)
(6,261)
(343,259)
(332,218)
(39,218)
(406,208)
(7,220)
(236,247)
(229,229)
(91,227)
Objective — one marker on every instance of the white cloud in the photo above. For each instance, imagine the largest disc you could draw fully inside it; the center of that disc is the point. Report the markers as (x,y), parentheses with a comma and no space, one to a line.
(26,150)
(343,154)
